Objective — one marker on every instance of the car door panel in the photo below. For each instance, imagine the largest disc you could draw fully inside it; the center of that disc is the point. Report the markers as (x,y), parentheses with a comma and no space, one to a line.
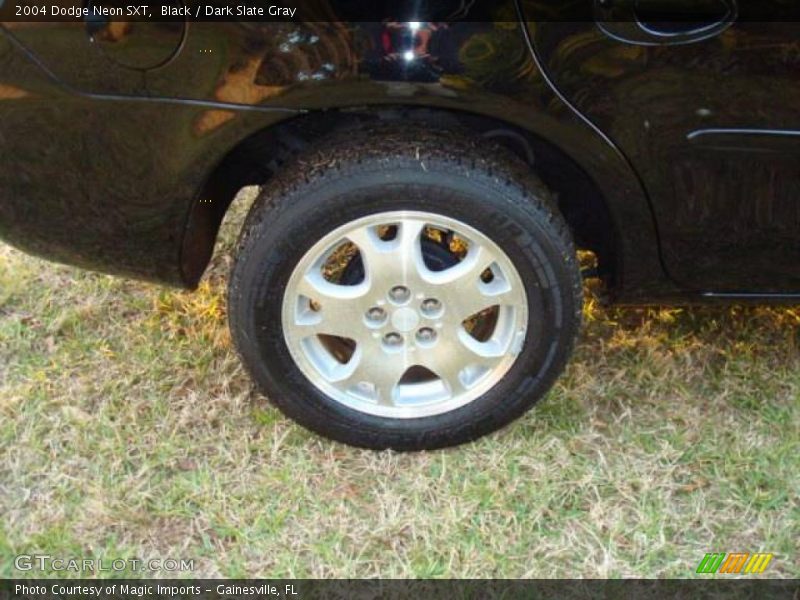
(711,126)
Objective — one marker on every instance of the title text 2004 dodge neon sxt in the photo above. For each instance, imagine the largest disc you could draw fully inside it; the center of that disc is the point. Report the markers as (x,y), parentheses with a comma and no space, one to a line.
(407,277)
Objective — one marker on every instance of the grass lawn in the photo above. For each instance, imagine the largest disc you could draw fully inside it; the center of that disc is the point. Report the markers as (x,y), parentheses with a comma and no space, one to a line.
(129,429)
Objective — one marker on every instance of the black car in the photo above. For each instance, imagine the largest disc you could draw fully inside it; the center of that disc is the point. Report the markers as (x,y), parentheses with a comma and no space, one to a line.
(408,276)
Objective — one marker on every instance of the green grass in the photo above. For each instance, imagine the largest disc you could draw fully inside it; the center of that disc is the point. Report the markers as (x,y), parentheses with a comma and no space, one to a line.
(129,429)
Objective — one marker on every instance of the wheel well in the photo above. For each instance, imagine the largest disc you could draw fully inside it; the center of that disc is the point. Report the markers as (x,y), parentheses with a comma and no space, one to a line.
(257,158)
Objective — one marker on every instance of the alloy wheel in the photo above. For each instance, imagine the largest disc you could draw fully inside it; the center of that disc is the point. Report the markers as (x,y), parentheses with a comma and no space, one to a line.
(405,314)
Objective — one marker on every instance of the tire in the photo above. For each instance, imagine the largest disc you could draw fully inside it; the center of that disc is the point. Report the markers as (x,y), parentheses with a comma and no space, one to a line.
(379,186)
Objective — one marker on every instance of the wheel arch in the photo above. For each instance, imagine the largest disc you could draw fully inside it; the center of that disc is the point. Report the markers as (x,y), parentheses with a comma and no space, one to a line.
(582,190)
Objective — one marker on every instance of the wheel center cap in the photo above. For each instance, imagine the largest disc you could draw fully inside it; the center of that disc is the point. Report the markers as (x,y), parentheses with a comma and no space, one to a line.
(405,319)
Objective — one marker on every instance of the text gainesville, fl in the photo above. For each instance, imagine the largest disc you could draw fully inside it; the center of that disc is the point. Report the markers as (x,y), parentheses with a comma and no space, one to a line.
(265,589)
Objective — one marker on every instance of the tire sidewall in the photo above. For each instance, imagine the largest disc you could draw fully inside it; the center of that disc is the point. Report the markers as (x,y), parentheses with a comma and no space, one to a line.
(311,211)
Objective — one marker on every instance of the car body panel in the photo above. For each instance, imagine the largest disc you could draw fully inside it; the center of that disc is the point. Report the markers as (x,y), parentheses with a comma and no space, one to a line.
(712,126)
(87,179)
(109,164)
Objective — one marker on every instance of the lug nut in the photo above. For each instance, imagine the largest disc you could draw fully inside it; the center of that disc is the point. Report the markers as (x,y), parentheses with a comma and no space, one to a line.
(393,339)
(426,335)
(399,294)
(376,314)
(431,306)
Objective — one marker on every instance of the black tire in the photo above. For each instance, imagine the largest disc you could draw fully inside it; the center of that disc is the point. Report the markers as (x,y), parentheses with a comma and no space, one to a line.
(383,169)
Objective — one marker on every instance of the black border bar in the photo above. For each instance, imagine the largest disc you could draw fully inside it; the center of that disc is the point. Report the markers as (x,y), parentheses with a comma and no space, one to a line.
(357,589)
(16,11)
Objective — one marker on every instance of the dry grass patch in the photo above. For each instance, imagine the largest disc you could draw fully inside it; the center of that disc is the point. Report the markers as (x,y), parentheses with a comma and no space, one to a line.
(128,429)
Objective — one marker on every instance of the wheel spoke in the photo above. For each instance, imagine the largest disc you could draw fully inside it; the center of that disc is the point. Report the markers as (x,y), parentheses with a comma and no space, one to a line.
(450,359)
(466,294)
(339,307)
(466,273)
(393,262)
(330,326)
(383,372)
(469,305)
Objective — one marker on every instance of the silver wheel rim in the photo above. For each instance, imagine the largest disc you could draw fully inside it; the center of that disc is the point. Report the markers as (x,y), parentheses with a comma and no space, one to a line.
(405,337)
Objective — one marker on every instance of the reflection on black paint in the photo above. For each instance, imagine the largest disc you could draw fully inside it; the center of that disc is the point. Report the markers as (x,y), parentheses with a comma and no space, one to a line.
(728,220)
(113,184)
